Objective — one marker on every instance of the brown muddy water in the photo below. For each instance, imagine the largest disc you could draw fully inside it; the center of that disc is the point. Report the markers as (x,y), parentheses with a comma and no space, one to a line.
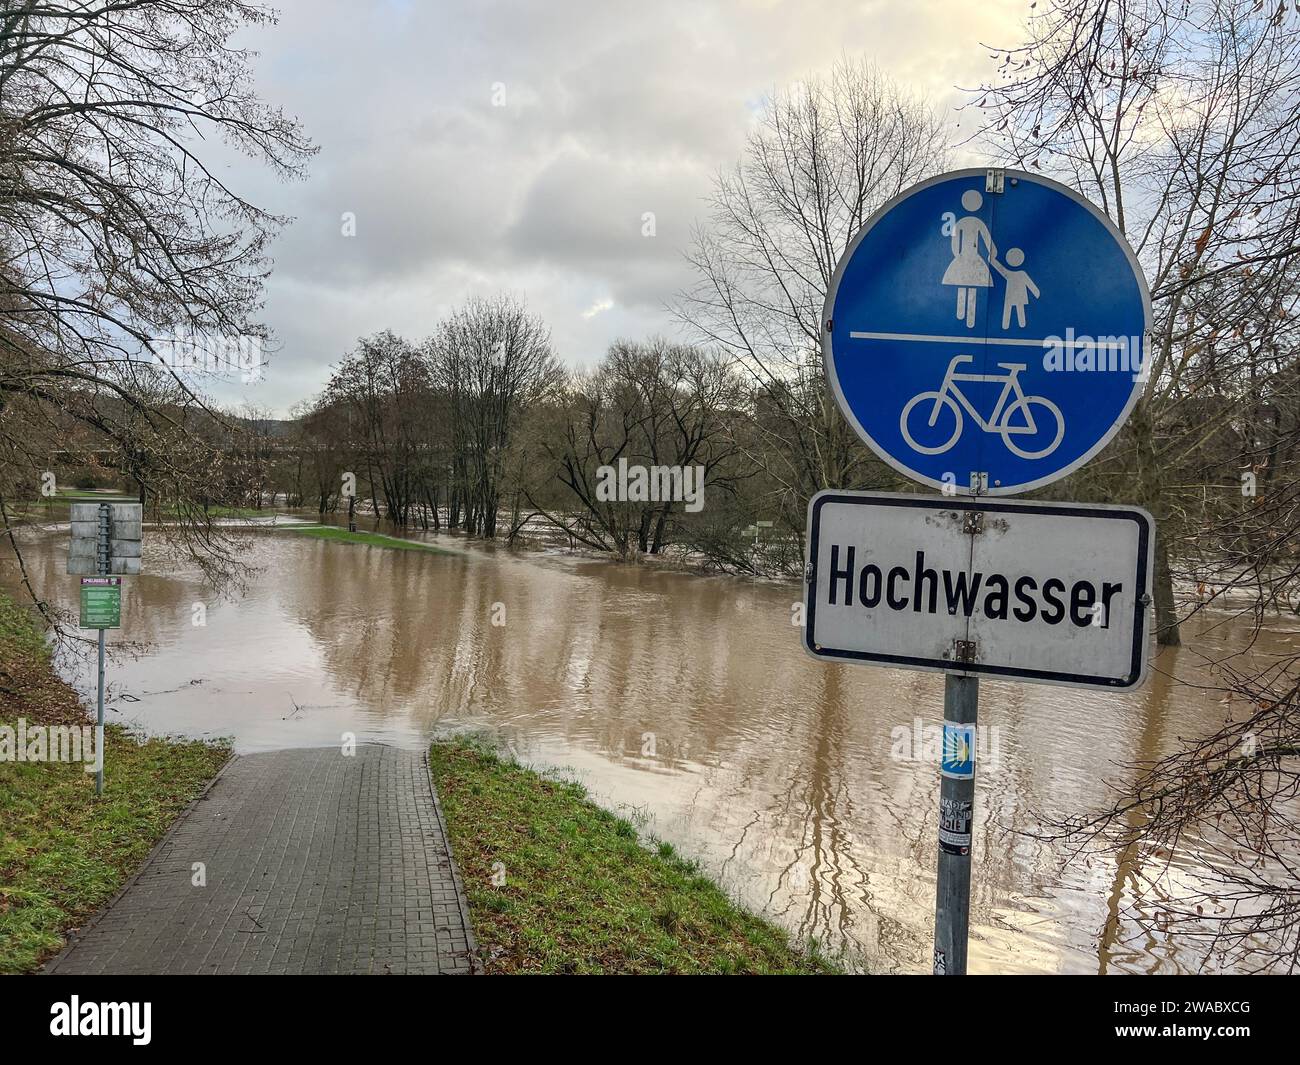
(686,702)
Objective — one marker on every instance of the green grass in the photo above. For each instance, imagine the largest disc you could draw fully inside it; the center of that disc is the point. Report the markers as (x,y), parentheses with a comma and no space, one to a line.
(56,507)
(64,853)
(63,496)
(582,894)
(228,512)
(330,532)
(20,637)
(59,505)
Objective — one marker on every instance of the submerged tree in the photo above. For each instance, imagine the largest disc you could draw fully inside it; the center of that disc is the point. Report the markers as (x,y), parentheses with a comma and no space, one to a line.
(1183,121)
(380,402)
(491,360)
(664,408)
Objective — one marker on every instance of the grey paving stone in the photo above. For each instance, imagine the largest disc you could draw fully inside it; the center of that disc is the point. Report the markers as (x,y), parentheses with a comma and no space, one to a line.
(316,862)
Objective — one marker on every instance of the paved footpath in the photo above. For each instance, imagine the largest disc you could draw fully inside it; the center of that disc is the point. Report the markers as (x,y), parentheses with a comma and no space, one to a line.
(315,862)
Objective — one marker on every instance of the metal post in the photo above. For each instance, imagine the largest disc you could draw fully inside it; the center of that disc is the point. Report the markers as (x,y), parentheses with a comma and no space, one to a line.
(99,722)
(956,806)
(101,560)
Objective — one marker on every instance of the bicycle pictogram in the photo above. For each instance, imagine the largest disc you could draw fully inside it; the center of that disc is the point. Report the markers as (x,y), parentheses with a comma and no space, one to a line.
(1009,419)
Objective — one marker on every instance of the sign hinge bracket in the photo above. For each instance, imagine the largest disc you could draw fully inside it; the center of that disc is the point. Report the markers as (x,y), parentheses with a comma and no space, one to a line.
(965,652)
(973,523)
(994,179)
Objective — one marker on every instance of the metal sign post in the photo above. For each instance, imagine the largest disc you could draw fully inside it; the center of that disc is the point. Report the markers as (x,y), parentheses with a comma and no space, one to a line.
(103,546)
(984,334)
(106,539)
(961,697)
(973,587)
(99,721)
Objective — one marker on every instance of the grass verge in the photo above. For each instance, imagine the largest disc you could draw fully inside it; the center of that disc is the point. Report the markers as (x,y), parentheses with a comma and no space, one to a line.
(58,507)
(64,853)
(581,893)
(329,532)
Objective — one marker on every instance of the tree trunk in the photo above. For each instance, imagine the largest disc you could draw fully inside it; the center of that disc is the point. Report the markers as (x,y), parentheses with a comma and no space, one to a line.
(1167,634)
(656,545)
(1151,491)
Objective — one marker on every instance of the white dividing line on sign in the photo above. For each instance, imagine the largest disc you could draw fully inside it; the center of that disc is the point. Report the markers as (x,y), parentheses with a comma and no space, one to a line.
(1025,342)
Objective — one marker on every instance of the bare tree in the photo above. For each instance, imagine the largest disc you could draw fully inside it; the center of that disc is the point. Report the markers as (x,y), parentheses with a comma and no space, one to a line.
(491,359)
(823,158)
(379,398)
(117,238)
(655,404)
(1183,121)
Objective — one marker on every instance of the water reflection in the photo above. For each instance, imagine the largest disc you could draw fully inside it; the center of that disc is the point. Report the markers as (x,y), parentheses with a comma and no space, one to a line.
(771,768)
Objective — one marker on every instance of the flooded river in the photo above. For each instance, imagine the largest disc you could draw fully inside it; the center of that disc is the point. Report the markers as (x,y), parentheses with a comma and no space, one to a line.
(684,701)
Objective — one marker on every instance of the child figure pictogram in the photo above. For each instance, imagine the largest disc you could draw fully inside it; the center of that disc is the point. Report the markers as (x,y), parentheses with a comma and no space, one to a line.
(1019,287)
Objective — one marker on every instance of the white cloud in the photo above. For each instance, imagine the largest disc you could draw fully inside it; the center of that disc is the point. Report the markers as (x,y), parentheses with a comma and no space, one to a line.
(599,307)
(611,110)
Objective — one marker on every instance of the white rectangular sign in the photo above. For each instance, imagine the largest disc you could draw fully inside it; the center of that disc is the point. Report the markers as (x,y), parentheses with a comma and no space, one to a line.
(124,554)
(1056,593)
(126,519)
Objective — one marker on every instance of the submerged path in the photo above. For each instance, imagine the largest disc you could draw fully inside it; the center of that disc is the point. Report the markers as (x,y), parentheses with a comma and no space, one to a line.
(314,862)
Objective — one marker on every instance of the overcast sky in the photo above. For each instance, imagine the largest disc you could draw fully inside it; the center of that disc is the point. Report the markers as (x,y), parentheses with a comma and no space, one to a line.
(611,109)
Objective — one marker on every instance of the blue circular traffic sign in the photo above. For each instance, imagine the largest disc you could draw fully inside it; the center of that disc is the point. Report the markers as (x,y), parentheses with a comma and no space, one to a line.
(987,330)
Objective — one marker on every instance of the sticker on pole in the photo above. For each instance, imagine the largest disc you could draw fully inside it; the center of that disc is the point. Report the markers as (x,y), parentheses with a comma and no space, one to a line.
(958,751)
(1057,593)
(955,817)
(986,330)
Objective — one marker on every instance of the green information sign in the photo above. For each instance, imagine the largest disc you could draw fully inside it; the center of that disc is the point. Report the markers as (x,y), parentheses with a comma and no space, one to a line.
(101,602)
